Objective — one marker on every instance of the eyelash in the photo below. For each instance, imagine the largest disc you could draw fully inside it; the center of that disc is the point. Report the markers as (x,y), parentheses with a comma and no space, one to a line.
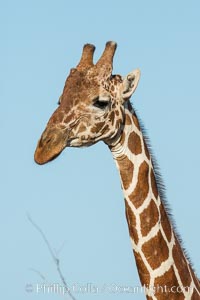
(100,103)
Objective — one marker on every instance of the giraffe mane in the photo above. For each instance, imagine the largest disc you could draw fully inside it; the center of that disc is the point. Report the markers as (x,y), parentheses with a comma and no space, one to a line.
(162,188)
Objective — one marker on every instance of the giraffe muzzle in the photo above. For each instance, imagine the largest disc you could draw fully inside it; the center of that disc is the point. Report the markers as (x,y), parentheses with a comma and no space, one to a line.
(51,144)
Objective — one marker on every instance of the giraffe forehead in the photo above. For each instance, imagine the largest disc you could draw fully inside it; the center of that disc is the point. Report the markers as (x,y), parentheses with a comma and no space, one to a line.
(82,87)
(79,89)
(81,81)
(91,79)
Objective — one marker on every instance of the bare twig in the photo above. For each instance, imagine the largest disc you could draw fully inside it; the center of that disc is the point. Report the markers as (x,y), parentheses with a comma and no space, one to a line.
(38,273)
(60,249)
(54,257)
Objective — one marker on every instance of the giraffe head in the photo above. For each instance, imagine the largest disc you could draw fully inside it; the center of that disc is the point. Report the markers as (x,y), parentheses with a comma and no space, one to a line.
(91,107)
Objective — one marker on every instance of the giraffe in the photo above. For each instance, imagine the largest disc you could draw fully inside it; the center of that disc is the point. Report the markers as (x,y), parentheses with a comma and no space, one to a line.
(95,106)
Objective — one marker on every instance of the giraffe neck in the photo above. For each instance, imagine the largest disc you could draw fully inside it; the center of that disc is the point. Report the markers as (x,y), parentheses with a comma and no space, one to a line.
(163,269)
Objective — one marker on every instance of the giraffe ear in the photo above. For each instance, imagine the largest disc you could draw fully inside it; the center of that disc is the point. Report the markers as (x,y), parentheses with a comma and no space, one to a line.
(130,83)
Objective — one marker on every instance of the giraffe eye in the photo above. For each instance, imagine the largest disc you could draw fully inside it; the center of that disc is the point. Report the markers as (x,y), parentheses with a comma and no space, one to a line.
(102,104)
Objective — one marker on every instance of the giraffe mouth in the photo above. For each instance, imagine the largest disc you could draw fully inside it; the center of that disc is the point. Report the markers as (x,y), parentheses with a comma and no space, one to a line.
(42,156)
(50,145)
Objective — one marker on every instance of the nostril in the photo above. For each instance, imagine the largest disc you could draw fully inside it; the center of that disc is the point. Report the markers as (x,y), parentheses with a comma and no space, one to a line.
(44,141)
(48,140)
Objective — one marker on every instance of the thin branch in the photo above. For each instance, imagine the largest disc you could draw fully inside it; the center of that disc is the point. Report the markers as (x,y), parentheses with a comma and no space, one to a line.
(54,257)
(38,273)
(60,249)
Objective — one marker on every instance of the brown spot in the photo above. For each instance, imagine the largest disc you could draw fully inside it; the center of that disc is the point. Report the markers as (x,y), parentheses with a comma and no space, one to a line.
(126,169)
(57,117)
(154,185)
(131,220)
(148,218)
(142,270)
(82,128)
(146,149)
(156,251)
(67,119)
(111,117)
(97,127)
(195,295)
(134,143)
(112,88)
(136,122)
(141,190)
(181,264)
(117,112)
(165,223)
(128,120)
(167,287)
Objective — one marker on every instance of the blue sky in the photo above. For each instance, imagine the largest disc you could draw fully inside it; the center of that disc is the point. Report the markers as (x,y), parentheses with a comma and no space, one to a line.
(77,199)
